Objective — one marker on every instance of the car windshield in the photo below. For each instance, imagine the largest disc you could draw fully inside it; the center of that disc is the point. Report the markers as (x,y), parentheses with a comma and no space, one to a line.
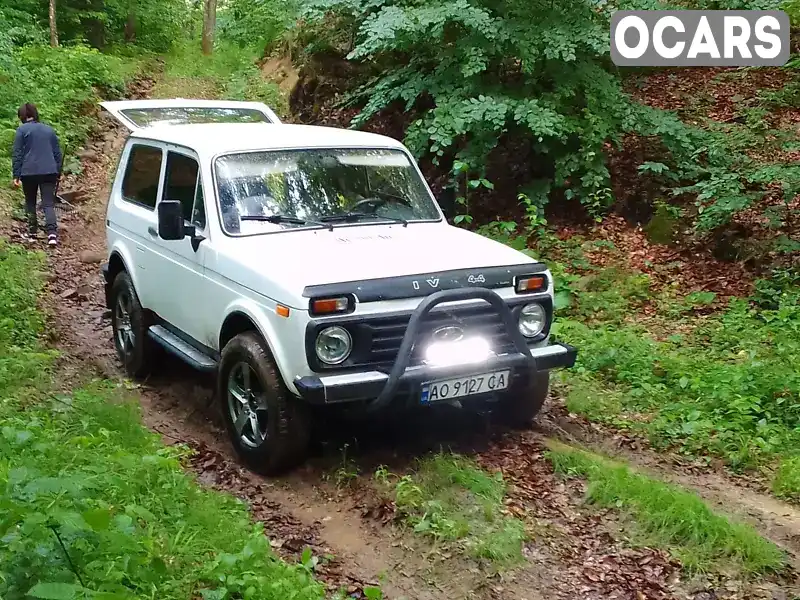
(260,192)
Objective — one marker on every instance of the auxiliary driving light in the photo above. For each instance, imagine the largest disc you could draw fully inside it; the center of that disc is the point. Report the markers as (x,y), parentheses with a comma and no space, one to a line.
(461,352)
(532,319)
(333,345)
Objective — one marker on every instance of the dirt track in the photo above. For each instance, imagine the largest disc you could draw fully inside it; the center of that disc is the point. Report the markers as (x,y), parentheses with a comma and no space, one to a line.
(576,553)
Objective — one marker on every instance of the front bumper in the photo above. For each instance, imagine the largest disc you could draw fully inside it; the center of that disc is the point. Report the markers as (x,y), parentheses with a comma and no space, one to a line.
(380,387)
(366,385)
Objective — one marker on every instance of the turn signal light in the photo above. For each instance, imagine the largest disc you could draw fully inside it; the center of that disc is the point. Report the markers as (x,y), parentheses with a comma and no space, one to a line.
(327,306)
(527,285)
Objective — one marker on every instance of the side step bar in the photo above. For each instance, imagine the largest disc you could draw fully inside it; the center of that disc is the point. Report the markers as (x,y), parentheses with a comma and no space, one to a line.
(186,352)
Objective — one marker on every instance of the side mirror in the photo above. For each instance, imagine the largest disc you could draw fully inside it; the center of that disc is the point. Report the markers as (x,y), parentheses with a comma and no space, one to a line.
(170,220)
(447,202)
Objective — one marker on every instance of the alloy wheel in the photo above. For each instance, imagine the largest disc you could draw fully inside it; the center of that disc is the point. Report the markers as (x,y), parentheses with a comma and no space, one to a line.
(247,405)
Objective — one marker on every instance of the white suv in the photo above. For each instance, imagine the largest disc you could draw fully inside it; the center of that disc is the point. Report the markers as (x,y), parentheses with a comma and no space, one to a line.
(311,266)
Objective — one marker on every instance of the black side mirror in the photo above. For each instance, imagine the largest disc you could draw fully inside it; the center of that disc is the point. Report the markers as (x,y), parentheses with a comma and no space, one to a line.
(447,202)
(170,220)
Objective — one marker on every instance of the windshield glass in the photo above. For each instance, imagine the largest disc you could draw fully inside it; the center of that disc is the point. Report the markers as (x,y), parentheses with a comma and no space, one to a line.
(314,185)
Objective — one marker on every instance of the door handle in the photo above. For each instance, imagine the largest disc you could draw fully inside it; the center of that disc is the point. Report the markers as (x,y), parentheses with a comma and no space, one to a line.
(152,231)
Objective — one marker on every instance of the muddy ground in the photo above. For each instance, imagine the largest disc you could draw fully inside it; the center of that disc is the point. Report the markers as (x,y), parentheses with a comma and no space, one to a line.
(575,552)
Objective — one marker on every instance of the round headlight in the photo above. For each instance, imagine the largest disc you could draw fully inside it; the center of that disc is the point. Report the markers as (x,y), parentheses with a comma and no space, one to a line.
(333,345)
(532,320)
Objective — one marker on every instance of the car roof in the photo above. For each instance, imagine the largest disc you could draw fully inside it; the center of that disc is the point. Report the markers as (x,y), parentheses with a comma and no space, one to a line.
(219,138)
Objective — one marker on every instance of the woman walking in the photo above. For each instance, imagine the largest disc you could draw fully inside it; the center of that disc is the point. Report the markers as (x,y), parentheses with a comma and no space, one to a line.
(37,161)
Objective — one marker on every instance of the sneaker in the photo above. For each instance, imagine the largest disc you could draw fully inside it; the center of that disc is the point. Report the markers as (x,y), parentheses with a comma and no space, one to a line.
(52,240)
(29,236)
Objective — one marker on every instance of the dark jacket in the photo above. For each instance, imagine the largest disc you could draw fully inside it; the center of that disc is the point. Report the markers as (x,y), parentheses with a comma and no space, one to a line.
(36,151)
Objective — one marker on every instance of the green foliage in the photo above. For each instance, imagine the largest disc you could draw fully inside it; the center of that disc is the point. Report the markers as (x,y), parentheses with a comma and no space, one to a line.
(256,23)
(150,24)
(132,522)
(451,499)
(473,72)
(92,505)
(668,516)
(62,82)
(534,69)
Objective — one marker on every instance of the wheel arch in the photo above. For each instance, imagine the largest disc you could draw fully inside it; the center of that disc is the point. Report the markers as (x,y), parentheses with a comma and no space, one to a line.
(241,318)
(120,261)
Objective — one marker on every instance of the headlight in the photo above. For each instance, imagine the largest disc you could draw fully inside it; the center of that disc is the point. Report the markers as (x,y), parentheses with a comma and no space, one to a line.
(333,345)
(532,320)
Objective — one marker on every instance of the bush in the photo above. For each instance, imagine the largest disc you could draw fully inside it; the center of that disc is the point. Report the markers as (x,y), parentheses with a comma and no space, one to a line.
(62,82)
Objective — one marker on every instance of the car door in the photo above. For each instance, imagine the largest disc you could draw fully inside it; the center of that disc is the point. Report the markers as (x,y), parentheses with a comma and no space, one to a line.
(133,218)
(178,267)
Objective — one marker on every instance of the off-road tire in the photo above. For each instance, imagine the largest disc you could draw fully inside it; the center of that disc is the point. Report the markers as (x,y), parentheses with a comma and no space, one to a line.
(138,358)
(288,425)
(519,406)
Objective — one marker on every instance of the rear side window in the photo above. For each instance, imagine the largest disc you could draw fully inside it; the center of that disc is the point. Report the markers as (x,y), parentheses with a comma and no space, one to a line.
(142,174)
(181,181)
(179,115)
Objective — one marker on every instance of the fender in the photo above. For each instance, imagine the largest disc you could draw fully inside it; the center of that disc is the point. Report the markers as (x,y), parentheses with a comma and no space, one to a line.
(127,260)
(263,317)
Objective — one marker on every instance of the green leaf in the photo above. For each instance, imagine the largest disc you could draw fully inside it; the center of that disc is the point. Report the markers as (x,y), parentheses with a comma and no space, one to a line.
(55,591)
(562,299)
(98,519)
(373,593)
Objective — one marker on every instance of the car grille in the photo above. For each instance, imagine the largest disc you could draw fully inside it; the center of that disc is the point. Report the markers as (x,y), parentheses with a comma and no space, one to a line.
(385,334)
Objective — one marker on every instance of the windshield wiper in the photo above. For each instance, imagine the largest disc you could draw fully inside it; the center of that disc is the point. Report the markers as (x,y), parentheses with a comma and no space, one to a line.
(357,216)
(284,219)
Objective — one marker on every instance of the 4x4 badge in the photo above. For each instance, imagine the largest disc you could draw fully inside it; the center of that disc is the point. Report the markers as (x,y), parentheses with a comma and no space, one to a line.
(479,279)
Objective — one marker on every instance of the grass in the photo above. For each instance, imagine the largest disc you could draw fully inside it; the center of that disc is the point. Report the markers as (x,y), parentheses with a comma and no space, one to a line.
(452,500)
(700,379)
(669,517)
(92,505)
(786,483)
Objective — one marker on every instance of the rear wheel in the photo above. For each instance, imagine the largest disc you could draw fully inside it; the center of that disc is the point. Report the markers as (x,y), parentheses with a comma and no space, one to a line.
(129,325)
(268,427)
(519,406)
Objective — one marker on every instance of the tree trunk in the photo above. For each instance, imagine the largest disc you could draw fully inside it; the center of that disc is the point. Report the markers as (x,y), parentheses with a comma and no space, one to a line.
(53,29)
(130,27)
(209,25)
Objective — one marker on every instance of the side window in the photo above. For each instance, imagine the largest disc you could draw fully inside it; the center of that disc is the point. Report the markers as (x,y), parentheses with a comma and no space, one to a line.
(199,212)
(140,184)
(180,181)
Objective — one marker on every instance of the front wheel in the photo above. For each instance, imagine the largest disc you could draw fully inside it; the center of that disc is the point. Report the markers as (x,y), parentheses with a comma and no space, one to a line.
(129,324)
(268,427)
(519,406)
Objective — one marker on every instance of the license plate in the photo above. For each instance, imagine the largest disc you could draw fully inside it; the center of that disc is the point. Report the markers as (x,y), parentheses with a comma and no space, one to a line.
(448,389)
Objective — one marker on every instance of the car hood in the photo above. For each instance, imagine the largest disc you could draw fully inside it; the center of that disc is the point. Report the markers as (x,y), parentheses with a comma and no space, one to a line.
(281,265)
